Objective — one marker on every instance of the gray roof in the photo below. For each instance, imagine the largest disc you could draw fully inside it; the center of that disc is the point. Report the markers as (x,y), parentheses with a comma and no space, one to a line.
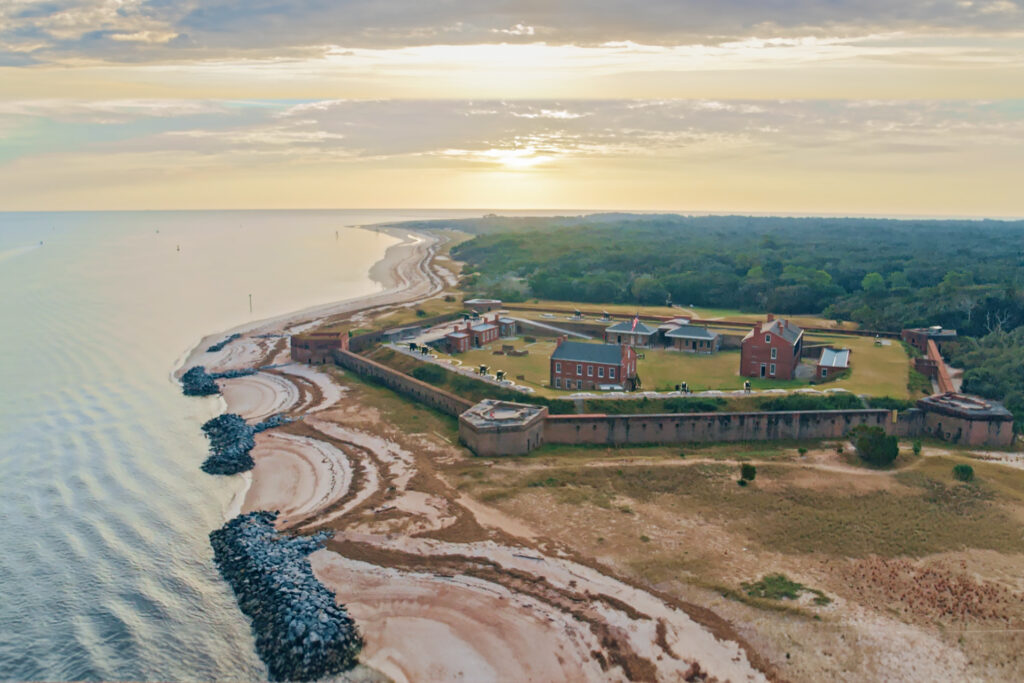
(506,321)
(691,332)
(457,335)
(581,352)
(484,328)
(835,358)
(626,327)
(790,332)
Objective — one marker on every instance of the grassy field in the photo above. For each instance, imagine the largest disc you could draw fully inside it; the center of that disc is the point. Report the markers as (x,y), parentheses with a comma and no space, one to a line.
(877,370)
(788,508)
(628,311)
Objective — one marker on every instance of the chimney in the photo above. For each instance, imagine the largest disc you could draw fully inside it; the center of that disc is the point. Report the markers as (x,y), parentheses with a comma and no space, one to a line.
(770,317)
(559,341)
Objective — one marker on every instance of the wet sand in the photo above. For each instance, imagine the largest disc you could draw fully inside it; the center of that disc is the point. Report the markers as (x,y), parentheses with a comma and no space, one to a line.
(490,604)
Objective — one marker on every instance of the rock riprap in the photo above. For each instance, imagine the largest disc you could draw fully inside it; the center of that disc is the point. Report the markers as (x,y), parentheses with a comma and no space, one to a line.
(222,343)
(301,632)
(231,439)
(198,382)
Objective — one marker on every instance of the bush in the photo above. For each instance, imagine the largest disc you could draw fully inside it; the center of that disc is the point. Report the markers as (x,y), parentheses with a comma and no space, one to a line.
(889,403)
(431,374)
(837,401)
(748,471)
(449,298)
(802,451)
(874,445)
(917,446)
(741,482)
(420,313)
(963,472)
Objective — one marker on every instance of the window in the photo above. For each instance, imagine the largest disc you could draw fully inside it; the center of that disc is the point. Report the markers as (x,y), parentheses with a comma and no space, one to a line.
(775,353)
(579,384)
(611,373)
(590,371)
(579,369)
(600,371)
(558,366)
(767,339)
(771,369)
(824,372)
(558,383)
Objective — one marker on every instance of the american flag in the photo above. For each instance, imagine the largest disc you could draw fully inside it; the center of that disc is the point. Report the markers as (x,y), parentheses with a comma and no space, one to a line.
(636,321)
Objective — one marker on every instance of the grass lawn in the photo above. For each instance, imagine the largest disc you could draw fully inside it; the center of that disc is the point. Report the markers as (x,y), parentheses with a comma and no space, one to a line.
(877,370)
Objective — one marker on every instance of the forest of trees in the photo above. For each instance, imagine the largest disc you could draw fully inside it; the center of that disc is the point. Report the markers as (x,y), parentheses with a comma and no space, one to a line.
(882,274)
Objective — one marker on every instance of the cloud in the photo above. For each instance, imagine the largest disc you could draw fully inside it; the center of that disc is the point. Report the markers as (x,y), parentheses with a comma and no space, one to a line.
(135,30)
(524,134)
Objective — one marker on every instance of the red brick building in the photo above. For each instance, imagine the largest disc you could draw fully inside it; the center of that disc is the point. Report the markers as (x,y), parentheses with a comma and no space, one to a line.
(473,335)
(579,365)
(772,350)
(833,362)
(918,336)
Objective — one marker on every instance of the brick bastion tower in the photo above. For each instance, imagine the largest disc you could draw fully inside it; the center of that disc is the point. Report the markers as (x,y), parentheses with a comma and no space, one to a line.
(492,428)
(969,420)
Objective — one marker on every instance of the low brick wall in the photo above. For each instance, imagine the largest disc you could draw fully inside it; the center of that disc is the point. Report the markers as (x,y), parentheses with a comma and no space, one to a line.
(404,384)
(672,428)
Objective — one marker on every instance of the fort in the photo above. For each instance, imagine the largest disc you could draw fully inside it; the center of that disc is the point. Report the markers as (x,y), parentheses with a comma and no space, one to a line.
(495,428)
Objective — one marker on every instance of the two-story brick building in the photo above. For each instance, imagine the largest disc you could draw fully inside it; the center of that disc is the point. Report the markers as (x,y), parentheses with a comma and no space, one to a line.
(473,335)
(581,366)
(772,349)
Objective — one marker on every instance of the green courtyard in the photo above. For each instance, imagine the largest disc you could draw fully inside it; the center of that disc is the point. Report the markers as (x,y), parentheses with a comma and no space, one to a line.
(876,370)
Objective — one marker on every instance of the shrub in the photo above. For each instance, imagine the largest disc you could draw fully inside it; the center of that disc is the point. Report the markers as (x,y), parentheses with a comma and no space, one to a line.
(431,374)
(449,298)
(917,446)
(963,472)
(741,482)
(748,471)
(839,449)
(874,445)
(889,403)
(645,539)
(837,401)
(802,451)
(420,313)
(529,340)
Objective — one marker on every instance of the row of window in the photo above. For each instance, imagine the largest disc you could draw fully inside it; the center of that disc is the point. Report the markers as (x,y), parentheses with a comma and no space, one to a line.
(590,370)
(568,383)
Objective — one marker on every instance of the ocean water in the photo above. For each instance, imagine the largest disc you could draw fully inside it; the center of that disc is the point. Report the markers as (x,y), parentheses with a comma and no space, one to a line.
(105,568)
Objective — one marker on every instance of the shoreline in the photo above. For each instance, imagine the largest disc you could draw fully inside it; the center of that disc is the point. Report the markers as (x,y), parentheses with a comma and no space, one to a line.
(435,608)
(386,272)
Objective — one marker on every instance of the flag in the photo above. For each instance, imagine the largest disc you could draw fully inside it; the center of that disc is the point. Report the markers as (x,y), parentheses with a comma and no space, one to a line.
(636,321)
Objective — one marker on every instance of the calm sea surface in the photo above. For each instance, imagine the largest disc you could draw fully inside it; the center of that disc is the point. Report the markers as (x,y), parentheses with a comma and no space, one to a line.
(105,568)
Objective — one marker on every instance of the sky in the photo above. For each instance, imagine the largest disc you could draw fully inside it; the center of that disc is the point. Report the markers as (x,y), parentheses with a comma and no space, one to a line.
(856,107)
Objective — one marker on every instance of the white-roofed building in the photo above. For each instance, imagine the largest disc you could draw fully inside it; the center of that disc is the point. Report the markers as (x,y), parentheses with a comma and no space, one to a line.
(832,362)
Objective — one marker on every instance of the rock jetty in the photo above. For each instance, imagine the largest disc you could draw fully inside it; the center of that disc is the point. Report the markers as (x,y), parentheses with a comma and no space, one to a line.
(231,439)
(301,633)
(222,343)
(198,382)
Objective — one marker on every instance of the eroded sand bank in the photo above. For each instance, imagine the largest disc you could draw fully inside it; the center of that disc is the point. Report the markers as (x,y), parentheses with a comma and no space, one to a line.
(433,609)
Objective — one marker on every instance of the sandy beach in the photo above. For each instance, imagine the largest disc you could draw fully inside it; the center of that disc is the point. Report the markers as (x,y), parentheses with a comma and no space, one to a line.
(443,587)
